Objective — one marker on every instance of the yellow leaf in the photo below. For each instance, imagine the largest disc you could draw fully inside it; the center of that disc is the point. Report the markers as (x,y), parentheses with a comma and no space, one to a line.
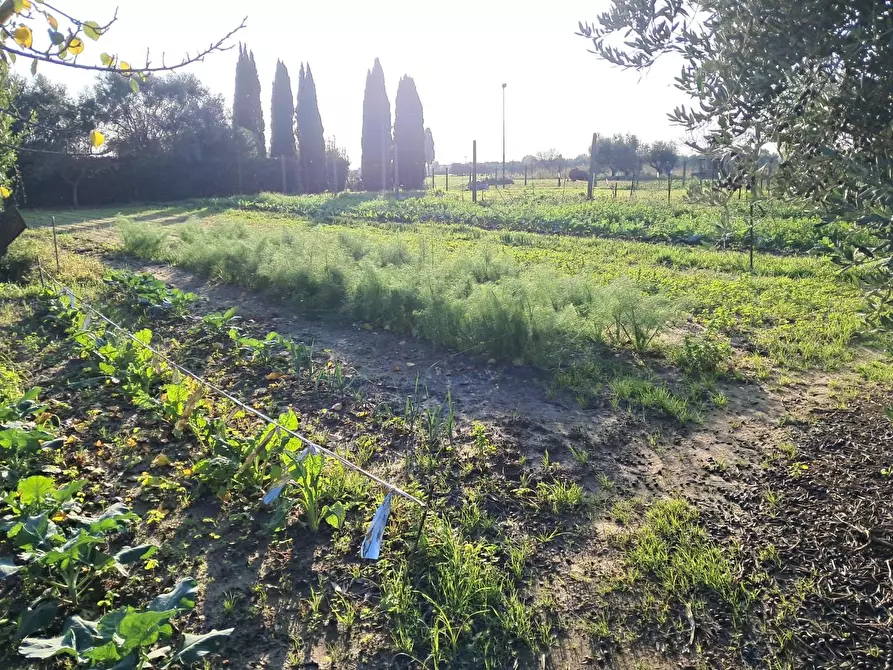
(273,376)
(124,65)
(96,138)
(5,192)
(76,46)
(54,24)
(23,36)
(161,460)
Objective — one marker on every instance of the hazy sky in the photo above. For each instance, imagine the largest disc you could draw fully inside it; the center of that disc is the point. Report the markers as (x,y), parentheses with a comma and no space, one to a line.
(459,53)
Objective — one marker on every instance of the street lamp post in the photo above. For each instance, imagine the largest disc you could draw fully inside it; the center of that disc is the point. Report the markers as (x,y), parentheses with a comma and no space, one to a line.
(503,135)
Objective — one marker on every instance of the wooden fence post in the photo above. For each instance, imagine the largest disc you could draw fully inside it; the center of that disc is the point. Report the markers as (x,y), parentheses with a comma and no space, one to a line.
(591,167)
(474,171)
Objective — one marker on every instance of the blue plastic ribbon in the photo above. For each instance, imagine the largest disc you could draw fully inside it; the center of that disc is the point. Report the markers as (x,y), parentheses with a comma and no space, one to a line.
(277,489)
(371,548)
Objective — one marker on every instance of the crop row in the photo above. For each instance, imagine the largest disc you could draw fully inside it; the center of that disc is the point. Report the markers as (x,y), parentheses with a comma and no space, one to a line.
(235,458)
(778,227)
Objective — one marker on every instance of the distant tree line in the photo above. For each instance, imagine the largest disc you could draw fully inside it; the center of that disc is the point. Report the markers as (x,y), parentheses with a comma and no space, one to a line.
(172,138)
(617,156)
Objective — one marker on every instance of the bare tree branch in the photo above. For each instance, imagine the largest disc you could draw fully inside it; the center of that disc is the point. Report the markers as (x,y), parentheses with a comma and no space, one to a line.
(33,54)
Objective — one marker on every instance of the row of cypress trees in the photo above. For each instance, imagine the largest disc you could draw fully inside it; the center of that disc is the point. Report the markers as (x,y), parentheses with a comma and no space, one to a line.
(403,156)
(387,160)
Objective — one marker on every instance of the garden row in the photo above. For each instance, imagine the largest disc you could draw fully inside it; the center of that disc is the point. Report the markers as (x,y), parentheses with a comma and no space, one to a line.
(553,302)
(778,226)
(72,558)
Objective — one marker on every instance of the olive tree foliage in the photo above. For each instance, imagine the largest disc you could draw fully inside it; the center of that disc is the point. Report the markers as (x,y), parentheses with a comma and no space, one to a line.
(170,115)
(618,154)
(813,79)
(67,37)
(663,156)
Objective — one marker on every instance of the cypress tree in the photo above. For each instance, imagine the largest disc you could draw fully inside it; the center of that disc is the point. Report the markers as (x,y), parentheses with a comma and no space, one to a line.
(282,116)
(311,143)
(409,135)
(375,164)
(247,112)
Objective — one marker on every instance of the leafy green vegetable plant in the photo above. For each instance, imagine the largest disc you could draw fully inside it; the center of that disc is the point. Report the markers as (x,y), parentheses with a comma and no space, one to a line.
(129,638)
(38,493)
(254,349)
(71,562)
(24,433)
(123,360)
(300,354)
(152,293)
(216,322)
(305,477)
(234,459)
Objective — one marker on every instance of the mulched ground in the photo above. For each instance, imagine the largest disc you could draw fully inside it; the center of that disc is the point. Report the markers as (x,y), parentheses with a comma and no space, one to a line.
(833,531)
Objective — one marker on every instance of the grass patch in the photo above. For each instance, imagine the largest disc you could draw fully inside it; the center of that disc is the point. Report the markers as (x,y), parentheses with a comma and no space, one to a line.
(876,371)
(673,552)
(453,602)
(784,228)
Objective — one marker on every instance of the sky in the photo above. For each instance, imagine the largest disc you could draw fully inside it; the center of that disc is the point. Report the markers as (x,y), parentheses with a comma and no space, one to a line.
(459,53)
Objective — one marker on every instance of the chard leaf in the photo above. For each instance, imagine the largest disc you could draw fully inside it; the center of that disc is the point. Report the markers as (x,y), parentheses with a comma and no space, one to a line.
(8,568)
(198,646)
(130,554)
(142,629)
(34,489)
(181,597)
(35,647)
(37,618)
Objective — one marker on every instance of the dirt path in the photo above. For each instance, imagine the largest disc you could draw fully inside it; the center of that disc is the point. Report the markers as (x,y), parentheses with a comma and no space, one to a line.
(642,458)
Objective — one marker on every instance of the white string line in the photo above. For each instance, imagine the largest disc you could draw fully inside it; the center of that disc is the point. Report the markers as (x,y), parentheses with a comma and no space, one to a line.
(236,401)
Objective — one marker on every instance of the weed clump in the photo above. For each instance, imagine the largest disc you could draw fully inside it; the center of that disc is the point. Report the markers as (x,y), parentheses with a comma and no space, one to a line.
(674,551)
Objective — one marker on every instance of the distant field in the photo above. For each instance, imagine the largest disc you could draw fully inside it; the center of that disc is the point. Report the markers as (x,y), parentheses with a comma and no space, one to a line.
(778,226)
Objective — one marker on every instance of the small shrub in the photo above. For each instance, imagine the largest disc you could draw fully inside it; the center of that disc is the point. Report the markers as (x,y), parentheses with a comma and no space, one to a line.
(703,354)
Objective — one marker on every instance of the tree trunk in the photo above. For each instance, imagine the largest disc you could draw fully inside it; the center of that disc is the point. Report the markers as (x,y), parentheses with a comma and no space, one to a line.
(75,183)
